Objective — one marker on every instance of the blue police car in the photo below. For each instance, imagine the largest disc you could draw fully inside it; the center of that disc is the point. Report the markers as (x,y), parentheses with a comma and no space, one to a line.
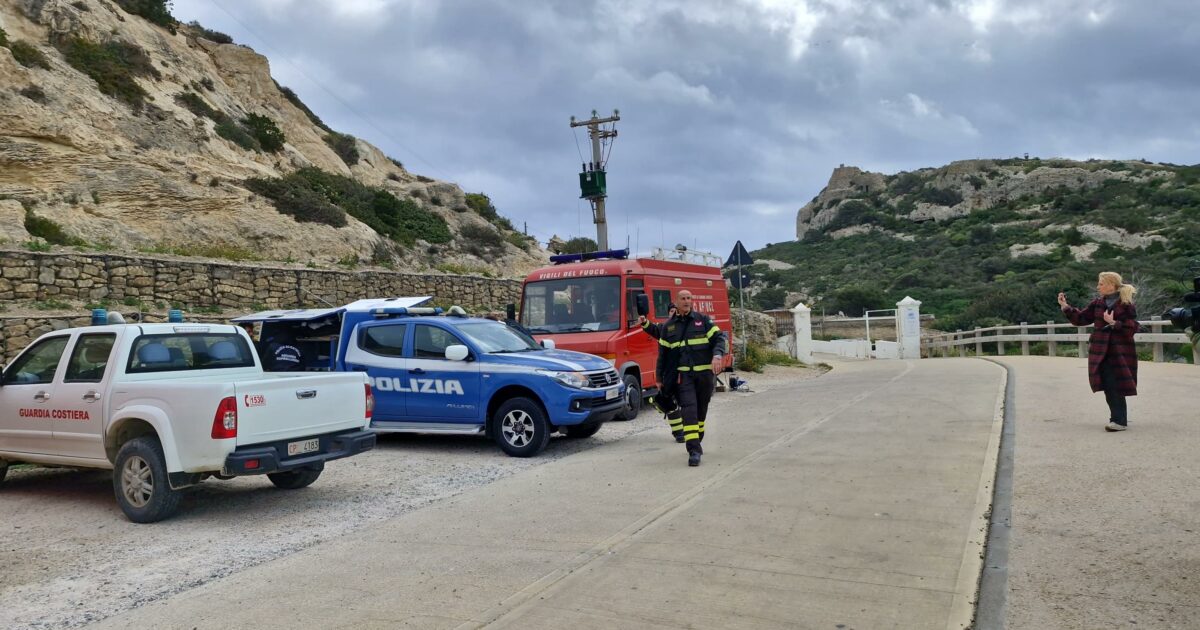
(435,373)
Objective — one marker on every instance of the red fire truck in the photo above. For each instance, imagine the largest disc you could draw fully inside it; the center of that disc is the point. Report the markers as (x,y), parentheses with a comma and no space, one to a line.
(587,302)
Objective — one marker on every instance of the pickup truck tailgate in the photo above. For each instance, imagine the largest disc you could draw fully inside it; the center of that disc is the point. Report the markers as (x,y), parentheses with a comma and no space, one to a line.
(292,406)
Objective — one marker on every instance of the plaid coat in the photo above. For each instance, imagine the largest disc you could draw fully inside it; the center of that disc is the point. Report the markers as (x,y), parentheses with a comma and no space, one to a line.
(1114,343)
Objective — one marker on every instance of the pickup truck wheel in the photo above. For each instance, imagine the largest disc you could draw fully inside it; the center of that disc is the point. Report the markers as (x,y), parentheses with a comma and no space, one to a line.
(520,427)
(140,482)
(633,398)
(584,430)
(294,479)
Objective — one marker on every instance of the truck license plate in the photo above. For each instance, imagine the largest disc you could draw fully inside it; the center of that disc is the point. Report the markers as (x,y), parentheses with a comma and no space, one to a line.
(610,394)
(303,446)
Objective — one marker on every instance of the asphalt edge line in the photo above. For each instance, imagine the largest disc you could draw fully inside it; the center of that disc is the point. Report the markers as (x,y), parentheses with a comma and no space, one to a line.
(992,604)
(522,599)
(970,571)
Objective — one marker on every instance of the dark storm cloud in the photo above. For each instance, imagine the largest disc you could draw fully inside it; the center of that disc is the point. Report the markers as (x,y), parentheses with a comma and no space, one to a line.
(733,112)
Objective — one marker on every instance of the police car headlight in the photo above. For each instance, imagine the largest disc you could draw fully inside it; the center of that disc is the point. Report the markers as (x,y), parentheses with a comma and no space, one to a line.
(570,379)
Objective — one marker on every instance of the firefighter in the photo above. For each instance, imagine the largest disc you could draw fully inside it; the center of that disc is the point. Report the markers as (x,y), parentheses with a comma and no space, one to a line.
(665,400)
(694,349)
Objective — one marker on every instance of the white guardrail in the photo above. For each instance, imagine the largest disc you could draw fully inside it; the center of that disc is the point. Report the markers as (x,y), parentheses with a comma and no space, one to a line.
(958,342)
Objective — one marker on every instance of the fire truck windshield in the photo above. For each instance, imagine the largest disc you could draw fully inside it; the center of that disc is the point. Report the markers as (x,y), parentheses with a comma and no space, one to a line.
(572,305)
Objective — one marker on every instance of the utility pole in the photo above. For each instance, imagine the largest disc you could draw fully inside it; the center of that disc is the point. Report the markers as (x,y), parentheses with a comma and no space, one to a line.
(592,182)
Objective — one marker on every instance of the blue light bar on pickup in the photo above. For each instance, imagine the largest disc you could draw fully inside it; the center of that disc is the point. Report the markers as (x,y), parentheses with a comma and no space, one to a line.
(397,311)
(617,254)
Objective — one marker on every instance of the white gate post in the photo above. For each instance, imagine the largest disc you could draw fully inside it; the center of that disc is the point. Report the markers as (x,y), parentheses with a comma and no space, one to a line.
(802,323)
(908,328)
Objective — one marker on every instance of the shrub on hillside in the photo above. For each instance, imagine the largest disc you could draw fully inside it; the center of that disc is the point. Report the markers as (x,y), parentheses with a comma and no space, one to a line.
(113,65)
(49,230)
(198,106)
(939,196)
(481,240)
(269,136)
(28,55)
(399,219)
(234,133)
(482,205)
(209,34)
(3,39)
(345,146)
(156,11)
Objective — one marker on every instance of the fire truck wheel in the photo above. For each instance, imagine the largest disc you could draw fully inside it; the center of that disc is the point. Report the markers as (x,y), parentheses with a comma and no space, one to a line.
(294,479)
(140,482)
(520,427)
(633,398)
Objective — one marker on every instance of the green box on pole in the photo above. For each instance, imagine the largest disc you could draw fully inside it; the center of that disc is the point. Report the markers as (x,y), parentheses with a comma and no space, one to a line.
(592,185)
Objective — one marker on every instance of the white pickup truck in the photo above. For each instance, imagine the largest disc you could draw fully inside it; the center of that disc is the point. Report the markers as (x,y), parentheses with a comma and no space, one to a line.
(169,405)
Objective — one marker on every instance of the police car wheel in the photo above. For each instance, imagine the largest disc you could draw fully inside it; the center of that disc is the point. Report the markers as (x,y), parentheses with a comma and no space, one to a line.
(294,479)
(140,482)
(633,398)
(520,427)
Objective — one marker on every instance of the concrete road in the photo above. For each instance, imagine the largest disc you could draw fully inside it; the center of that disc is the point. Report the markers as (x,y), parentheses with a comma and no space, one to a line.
(1105,526)
(856,500)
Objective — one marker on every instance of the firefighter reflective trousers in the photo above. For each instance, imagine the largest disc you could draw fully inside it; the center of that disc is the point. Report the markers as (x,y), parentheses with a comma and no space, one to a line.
(694,392)
(665,402)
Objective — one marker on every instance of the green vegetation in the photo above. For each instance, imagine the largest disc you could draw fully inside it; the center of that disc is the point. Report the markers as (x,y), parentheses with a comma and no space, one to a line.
(482,241)
(579,245)
(211,35)
(755,357)
(344,145)
(313,195)
(156,11)
(482,205)
(255,132)
(265,132)
(227,251)
(114,66)
(28,55)
(3,39)
(49,230)
(961,269)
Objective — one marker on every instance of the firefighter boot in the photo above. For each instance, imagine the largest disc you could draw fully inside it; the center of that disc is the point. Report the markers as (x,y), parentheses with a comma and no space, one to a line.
(693,448)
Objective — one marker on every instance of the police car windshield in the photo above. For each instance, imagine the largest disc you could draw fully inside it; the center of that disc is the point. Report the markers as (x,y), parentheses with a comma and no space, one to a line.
(572,305)
(495,338)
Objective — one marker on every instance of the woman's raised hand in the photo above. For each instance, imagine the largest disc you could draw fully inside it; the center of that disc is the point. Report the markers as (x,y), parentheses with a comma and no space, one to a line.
(1062,299)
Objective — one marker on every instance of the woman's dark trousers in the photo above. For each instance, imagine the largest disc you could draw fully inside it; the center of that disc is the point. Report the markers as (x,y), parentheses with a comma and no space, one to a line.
(1112,395)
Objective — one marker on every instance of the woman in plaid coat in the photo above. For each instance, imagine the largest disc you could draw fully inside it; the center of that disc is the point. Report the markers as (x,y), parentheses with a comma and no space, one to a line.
(1112,357)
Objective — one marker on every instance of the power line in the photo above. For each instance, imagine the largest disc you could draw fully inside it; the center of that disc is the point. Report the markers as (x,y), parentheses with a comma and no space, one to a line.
(323,88)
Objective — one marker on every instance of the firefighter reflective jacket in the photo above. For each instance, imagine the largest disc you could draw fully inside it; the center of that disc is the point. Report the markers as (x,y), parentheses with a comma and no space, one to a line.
(690,341)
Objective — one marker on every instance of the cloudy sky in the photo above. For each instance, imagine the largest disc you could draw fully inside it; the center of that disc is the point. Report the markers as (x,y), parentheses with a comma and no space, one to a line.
(733,111)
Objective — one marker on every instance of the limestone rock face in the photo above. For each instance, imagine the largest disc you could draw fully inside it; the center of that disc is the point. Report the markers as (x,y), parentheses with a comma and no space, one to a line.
(973,185)
(162,178)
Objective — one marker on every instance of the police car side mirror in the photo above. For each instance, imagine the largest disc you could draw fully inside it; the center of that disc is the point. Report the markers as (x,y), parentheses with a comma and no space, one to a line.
(643,304)
(548,344)
(457,352)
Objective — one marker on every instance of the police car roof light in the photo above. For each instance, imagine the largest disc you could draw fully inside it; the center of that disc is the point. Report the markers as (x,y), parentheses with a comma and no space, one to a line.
(403,310)
(616,254)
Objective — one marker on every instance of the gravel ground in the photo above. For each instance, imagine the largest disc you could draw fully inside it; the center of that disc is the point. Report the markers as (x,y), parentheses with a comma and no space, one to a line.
(69,557)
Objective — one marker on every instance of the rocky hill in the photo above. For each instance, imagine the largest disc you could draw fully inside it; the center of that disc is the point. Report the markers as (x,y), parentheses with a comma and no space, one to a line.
(988,241)
(123,130)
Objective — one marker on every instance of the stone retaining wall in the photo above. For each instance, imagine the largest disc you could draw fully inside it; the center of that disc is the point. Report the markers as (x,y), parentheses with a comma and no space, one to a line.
(158,282)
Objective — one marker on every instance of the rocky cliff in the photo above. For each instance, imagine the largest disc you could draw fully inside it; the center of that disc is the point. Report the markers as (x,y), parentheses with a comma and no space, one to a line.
(118,133)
